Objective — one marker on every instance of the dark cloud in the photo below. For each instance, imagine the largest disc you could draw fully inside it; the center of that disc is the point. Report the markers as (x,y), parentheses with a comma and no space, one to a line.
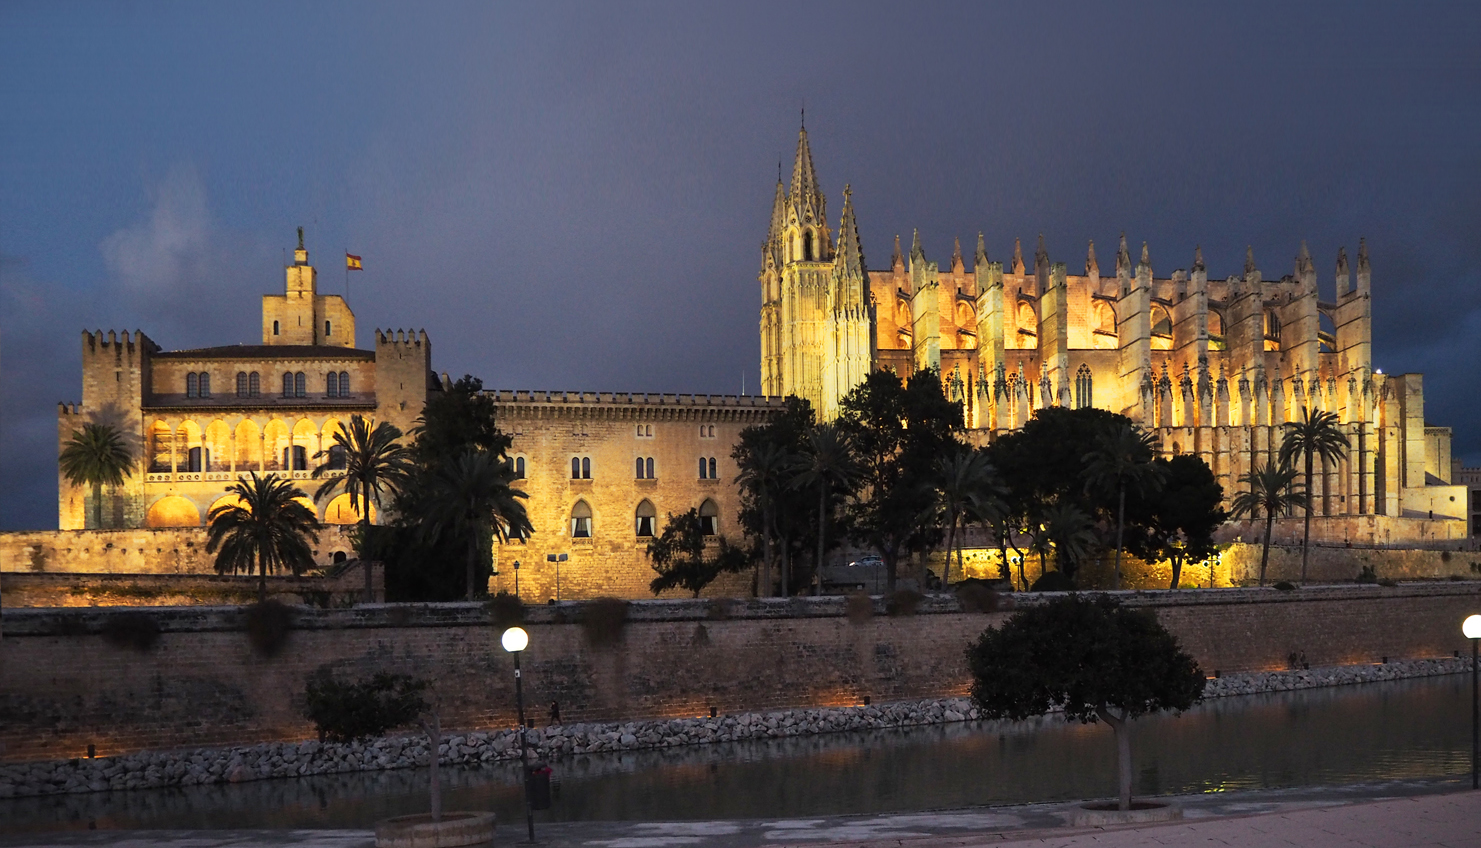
(572,195)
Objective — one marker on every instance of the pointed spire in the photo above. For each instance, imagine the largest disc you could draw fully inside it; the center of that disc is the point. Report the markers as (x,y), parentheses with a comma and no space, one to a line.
(1092,267)
(1342,262)
(1362,255)
(896,259)
(1146,257)
(1041,256)
(1123,256)
(850,259)
(956,256)
(1249,260)
(807,199)
(979,260)
(1017,257)
(917,253)
(1198,259)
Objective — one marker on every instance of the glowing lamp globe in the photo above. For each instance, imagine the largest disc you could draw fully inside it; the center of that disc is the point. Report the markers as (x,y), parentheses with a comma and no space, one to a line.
(1472,627)
(516,639)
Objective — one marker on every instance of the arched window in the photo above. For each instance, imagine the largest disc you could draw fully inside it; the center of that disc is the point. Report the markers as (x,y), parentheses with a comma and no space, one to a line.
(807,246)
(331,384)
(709,518)
(649,463)
(1084,390)
(646,519)
(639,469)
(254,385)
(336,457)
(296,458)
(703,469)
(241,384)
(192,385)
(585,468)
(344,384)
(300,385)
(326,329)
(205,384)
(287,384)
(197,459)
(713,476)
(581,521)
(275,328)
(575,468)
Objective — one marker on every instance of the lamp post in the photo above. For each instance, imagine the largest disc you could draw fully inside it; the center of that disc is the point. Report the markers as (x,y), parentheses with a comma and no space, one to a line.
(516,578)
(514,640)
(1472,629)
(557,559)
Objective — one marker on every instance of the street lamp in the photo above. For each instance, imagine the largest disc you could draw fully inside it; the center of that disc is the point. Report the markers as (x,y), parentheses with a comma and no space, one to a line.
(557,559)
(1472,629)
(515,640)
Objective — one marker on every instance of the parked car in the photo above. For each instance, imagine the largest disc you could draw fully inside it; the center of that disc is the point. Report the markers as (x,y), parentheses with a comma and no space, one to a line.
(866,573)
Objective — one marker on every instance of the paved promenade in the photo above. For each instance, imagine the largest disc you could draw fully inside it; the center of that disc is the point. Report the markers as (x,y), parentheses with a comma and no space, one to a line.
(1245,820)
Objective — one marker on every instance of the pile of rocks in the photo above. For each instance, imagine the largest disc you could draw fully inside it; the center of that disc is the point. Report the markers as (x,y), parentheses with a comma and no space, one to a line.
(292,759)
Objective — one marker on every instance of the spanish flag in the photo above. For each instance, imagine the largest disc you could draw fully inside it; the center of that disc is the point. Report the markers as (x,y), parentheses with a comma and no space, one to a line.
(352,262)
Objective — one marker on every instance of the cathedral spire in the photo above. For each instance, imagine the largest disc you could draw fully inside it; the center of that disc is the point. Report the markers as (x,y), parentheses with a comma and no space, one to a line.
(1362,255)
(897,260)
(1146,257)
(1041,256)
(1249,260)
(917,253)
(1198,258)
(1303,260)
(1018,257)
(979,260)
(850,259)
(807,199)
(1092,267)
(956,256)
(1123,256)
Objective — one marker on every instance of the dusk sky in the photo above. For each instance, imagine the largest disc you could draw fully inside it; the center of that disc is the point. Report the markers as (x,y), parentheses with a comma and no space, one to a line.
(574,196)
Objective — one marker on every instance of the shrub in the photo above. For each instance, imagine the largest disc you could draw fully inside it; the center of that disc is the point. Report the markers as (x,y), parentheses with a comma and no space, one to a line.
(902,602)
(268,626)
(1388,581)
(977,595)
(344,711)
(1053,581)
(505,610)
(603,621)
(1367,575)
(135,630)
(859,607)
(1284,586)
(720,608)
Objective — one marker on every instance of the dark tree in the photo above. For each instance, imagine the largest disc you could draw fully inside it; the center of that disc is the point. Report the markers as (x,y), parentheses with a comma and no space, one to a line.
(773,512)
(1177,522)
(1315,434)
(684,560)
(1094,658)
(1119,464)
(1272,493)
(95,456)
(375,464)
(268,528)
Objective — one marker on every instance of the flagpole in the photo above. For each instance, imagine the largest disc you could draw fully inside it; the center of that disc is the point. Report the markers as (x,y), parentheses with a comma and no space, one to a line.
(347,275)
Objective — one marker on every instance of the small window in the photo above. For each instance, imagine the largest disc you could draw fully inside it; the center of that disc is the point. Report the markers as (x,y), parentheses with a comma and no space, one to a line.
(646,518)
(581,521)
(300,385)
(638,473)
(205,384)
(344,384)
(241,384)
(640,431)
(713,476)
(519,468)
(326,329)
(336,457)
(709,518)
(585,468)
(254,385)
(287,384)
(296,458)
(196,458)
(651,475)
(192,385)
(575,468)
(275,328)
(704,469)
(331,384)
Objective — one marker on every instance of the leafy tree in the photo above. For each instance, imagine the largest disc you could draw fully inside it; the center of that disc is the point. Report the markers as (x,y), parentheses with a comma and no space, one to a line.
(268,527)
(1316,434)
(681,558)
(1177,522)
(375,464)
(1121,462)
(898,432)
(345,711)
(455,420)
(772,510)
(968,489)
(1072,533)
(472,499)
(1272,492)
(826,464)
(1094,658)
(95,456)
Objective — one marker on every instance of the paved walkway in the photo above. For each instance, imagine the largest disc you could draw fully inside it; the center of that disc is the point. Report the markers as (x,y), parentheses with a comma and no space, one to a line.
(1330,819)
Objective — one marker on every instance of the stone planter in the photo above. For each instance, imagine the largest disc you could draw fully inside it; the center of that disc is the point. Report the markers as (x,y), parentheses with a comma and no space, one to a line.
(1101,814)
(419,831)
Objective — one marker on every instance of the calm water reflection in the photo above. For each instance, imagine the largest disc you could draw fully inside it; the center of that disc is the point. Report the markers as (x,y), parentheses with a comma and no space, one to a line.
(1383,731)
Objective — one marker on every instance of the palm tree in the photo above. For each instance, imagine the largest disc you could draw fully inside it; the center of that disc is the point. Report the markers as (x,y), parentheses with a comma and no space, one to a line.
(1120,461)
(827,462)
(967,487)
(763,471)
(374,464)
(94,456)
(1316,434)
(1073,535)
(471,497)
(268,527)
(1272,491)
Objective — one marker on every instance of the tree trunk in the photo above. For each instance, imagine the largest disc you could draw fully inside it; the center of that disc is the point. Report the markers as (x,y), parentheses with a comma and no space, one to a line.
(261,577)
(433,729)
(1306,537)
(365,560)
(764,590)
(822,536)
(1265,551)
(472,555)
(1122,727)
(786,582)
(1177,571)
(97,506)
(946,564)
(1120,528)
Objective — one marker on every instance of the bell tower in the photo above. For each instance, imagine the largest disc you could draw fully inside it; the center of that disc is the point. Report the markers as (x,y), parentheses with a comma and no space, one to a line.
(302,316)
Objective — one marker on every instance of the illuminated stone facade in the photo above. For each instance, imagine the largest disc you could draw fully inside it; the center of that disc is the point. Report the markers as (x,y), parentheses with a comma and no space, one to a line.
(1212,367)
(198,420)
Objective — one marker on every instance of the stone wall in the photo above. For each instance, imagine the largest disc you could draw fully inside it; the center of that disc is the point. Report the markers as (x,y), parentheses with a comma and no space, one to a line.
(65,684)
(161,590)
(174,550)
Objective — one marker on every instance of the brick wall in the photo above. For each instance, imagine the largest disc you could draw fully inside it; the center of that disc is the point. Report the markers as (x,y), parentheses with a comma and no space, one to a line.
(63,685)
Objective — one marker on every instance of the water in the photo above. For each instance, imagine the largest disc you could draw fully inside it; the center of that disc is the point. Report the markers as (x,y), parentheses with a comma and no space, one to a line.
(1418,729)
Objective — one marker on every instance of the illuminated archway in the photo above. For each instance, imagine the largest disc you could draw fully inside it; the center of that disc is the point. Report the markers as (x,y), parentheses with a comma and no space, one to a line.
(173,511)
(339,511)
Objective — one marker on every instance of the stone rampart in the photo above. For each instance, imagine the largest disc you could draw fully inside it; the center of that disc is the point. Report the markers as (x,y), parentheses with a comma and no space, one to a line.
(176,550)
(65,682)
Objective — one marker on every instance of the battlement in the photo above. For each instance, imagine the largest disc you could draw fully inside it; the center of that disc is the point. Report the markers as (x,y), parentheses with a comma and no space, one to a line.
(69,410)
(416,338)
(522,396)
(94,341)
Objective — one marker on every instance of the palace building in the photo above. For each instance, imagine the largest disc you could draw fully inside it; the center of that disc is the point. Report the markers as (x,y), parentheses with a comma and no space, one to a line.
(201,419)
(1210,366)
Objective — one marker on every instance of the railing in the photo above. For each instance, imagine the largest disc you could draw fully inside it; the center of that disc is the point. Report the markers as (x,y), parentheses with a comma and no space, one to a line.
(240,474)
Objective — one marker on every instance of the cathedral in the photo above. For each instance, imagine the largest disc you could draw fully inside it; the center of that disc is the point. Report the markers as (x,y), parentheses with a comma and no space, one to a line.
(1211,367)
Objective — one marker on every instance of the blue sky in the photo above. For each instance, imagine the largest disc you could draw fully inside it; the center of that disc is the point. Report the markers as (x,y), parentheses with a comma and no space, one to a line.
(572,196)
